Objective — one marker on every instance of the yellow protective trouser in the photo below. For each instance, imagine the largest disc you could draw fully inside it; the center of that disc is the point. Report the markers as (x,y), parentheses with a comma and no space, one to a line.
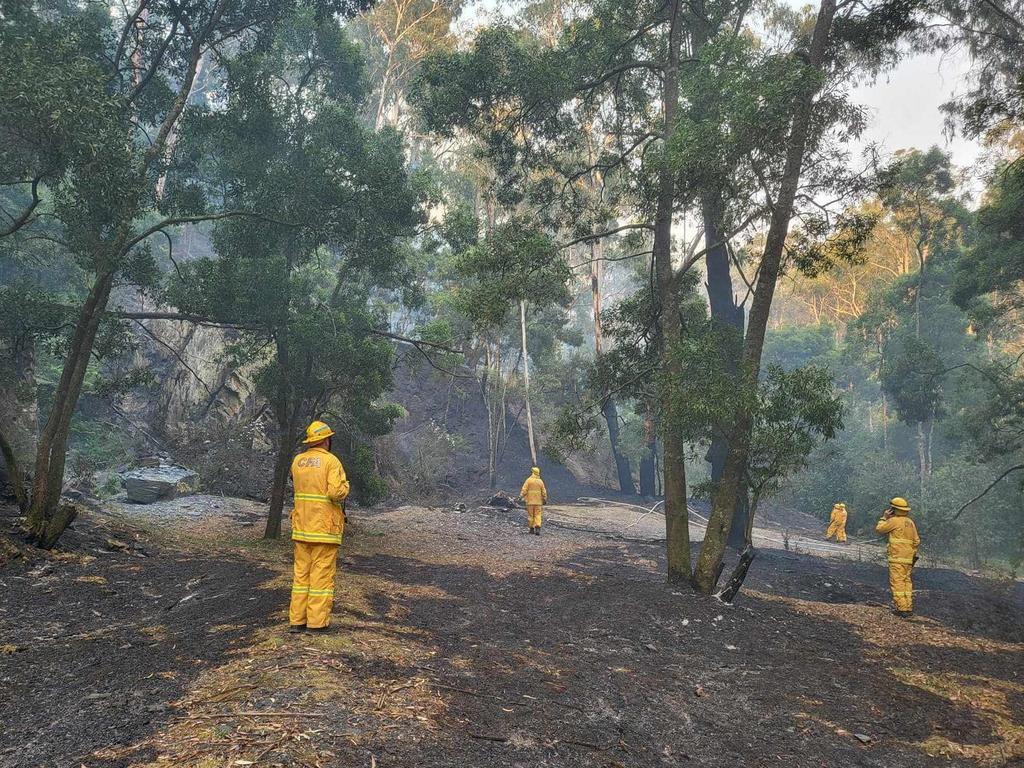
(838,530)
(313,584)
(901,586)
(533,515)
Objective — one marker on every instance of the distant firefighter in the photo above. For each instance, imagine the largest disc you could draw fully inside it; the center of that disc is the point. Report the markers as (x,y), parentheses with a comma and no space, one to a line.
(318,523)
(902,553)
(837,523)
(535,495)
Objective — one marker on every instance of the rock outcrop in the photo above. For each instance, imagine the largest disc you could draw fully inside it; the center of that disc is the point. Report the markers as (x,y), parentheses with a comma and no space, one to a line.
(19,410)
(195,383)
(148,484)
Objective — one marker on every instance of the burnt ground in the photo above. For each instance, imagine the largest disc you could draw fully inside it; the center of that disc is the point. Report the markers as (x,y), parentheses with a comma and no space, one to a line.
(459,640)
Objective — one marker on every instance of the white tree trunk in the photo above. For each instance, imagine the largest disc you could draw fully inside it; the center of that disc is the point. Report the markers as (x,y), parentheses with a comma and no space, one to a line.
(526,382)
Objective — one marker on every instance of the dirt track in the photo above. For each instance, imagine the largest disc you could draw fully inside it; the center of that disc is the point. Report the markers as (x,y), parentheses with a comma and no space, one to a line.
(463,641)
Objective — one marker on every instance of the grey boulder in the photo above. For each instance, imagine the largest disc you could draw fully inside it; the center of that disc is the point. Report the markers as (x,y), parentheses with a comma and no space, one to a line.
(146,485)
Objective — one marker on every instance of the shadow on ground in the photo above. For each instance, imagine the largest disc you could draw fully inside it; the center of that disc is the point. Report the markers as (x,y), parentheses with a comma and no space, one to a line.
(98,643)
(466,645)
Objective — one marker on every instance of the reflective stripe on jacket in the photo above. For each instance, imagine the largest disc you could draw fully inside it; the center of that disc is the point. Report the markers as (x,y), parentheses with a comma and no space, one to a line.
(903,538)
(320,487)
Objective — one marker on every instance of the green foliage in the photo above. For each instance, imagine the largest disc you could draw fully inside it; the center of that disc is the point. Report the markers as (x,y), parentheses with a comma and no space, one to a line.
(795,411)
(990,277)
(912,375)
(821,244)
(303,284)
(798,346)
(368,486)
(516,263)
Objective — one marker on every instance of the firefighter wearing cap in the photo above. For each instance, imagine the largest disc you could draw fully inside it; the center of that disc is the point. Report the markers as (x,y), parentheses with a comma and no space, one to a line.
(535,495)
(317,526)
(837,523)
(902,553)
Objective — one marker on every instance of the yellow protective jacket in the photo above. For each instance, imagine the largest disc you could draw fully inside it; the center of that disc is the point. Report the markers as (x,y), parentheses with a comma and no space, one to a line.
(533,491)
(320,487)
(903,538)
(838,517)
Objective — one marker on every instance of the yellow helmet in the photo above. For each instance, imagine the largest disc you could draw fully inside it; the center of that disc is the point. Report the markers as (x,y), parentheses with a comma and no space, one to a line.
(839,505)
(900,503)
(316,432)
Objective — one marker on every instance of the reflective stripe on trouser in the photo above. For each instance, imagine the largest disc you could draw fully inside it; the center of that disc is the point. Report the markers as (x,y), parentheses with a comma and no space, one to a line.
(533,515)
(901,586)
(313,584)
(838,530)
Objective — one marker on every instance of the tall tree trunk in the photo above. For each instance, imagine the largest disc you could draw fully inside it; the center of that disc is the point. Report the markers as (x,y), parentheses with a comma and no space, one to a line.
(677,532)
(46,520)
(44,524)
(723,505)
(726,313)
(285,416)
(922,459)
(279,487)
(648,462)
(491,439)
(611,414)
(287,437)
(526,383)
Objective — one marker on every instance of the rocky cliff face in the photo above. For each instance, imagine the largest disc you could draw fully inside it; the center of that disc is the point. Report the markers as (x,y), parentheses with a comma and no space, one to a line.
(19,411)
(214,422)
(195,384)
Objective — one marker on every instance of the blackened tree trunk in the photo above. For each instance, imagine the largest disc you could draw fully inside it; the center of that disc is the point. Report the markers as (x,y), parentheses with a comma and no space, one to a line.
(728,314)
(282,466)
(14,473)
(608,408)
(723,504)
(649,460)
(622,468)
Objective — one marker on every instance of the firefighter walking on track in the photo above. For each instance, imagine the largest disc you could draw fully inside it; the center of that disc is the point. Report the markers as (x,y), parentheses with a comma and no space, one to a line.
(317,527)
(535,495)
(837,523)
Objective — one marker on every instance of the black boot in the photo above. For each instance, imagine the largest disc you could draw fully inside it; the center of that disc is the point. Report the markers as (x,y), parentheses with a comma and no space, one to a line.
(536,531)
(296,628)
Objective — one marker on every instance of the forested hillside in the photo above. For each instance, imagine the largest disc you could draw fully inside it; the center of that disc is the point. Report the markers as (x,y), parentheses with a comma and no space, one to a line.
(652,249)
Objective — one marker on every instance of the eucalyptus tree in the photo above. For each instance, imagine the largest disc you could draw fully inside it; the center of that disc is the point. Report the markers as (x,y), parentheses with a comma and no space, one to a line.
(135,68)
(305,289)
(702,118)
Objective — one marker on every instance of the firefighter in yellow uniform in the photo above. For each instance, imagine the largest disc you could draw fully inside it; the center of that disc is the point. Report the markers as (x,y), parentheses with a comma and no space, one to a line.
(837,523)
(317,526)
(535,495)
(902,553)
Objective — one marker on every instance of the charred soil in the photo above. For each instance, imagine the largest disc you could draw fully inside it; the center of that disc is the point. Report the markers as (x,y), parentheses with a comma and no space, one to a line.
(459,639)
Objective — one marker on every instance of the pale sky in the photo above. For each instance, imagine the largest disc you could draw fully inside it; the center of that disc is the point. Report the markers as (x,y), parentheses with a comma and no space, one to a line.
(905,105)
